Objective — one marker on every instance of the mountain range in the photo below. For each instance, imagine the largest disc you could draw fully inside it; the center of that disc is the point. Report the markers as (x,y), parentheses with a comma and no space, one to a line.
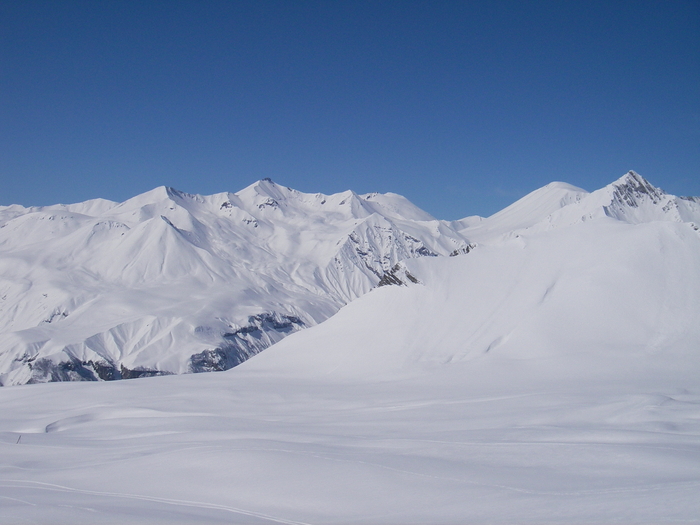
(169,283)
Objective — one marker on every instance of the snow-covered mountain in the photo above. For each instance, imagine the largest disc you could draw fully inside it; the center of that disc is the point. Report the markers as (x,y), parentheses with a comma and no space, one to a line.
(168,282)
(631,199)
(549,375)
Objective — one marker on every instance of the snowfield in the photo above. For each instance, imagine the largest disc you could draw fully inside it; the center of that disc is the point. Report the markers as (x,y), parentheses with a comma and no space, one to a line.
(547,375)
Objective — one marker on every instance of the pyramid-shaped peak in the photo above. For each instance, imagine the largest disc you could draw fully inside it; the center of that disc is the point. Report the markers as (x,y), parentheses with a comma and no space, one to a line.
(158,194)
(163,193)
(266,182)
(631,186)
(632,179)
(268,188)
(174,193)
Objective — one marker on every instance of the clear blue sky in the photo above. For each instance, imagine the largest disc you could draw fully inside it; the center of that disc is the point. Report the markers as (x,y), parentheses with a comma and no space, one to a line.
(462,107)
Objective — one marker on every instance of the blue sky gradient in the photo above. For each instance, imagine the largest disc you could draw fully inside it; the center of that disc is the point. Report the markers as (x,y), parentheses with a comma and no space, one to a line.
(462,107)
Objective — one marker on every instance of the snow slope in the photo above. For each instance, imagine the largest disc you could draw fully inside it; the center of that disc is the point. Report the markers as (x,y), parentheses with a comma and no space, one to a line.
(524,213)
(168,282)
(546,377)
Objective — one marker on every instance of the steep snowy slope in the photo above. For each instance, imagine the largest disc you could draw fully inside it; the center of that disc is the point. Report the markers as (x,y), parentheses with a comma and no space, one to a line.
(169,282)
(602,299)
(549,377)
(524,213)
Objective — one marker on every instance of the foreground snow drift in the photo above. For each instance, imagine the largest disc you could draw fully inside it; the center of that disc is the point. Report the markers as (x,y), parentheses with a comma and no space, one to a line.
(237,451)
(547,377)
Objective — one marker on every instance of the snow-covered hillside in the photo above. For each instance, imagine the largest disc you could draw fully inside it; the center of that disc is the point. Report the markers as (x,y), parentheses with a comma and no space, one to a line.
(549,375)
(169,282)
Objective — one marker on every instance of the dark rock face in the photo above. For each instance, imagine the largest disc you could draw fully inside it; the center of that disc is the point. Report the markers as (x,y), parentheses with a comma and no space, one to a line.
(390,278)
(466,249)
(139,371)
(46,371)
(215,360)
(239,345)
(425,252)
(105,371)
(396,277)
(634,188)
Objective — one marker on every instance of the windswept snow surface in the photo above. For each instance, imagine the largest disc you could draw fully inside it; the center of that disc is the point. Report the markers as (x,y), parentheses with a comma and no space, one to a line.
(169,282)
(549,376)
